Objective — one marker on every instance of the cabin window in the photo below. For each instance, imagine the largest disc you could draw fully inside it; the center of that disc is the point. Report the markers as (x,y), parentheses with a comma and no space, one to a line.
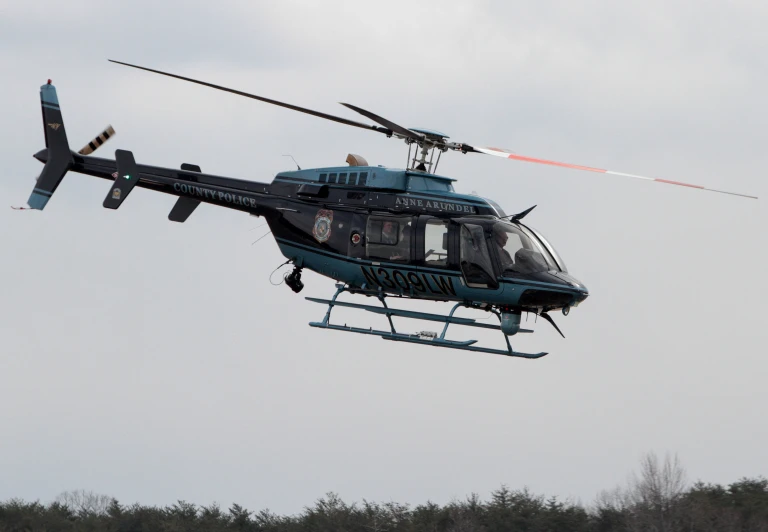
(389,238)
(363,178)
(343,179)
(417,183)
(436,244)
(353,178)
(331,178)
(429,184)
(439,185)
(323,178)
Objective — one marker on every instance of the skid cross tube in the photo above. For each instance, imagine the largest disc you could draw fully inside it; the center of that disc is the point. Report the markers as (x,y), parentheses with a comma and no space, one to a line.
(389,314)
(448,321)
(423,338)
(340,289)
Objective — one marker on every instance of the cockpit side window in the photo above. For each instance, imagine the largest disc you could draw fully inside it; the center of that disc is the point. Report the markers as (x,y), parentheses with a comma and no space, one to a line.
(475,260)
(518,253)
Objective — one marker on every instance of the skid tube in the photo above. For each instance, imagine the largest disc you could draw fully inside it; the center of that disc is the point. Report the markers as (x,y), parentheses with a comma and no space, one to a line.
(424,338)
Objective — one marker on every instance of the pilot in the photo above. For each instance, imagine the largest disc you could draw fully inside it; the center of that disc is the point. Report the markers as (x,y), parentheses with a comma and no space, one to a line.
(500,236)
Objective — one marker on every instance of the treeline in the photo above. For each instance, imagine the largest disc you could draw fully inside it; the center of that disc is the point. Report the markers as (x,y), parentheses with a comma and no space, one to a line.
(656,500)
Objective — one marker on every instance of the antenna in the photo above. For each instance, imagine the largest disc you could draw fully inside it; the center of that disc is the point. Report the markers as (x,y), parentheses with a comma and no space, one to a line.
(294,160)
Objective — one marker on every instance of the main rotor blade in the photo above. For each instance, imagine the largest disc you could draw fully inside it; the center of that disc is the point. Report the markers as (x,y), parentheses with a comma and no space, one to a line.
(261,98)
(400,130)
(498,152)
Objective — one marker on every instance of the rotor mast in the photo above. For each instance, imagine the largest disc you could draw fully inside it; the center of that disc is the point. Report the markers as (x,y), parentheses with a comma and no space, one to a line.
(425,147)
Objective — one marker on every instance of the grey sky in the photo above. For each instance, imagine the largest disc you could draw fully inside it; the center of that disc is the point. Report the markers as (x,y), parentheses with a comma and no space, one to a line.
(194,378)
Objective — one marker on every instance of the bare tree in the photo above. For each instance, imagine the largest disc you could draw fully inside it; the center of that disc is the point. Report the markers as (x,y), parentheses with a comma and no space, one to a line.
(651,501)
(85,502)
(659,484)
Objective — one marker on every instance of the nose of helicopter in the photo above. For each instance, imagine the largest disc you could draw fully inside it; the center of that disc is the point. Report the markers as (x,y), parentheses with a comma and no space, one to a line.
(580,290)
(564,291)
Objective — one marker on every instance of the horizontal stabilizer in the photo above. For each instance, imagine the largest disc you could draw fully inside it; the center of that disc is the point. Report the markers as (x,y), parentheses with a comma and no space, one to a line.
(127,177)
(184,206)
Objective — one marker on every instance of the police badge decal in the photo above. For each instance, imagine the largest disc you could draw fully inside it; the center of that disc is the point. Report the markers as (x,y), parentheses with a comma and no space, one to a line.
(322,228)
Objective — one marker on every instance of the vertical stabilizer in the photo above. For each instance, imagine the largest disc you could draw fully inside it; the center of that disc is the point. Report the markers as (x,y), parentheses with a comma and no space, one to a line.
(59,158)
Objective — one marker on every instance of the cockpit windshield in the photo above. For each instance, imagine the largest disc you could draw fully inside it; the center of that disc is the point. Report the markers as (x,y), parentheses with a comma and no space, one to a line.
(558,259)
(519,251)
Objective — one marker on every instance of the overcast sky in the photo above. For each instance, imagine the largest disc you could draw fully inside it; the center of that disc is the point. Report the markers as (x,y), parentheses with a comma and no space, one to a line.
(154,361)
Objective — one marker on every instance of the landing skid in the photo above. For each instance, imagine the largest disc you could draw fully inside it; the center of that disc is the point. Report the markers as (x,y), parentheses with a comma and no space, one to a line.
(424,338)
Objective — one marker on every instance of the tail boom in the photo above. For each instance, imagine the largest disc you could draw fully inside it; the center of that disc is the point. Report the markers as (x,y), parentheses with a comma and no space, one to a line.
(188,183)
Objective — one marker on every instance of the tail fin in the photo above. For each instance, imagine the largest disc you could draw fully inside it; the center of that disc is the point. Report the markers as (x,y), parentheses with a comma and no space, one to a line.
(59,158)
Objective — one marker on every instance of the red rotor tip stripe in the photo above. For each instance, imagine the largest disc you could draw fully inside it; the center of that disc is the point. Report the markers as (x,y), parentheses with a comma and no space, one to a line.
(509,155)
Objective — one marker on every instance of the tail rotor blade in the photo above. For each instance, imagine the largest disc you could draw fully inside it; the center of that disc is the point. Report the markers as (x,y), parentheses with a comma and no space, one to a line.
(498,152)
(100,139)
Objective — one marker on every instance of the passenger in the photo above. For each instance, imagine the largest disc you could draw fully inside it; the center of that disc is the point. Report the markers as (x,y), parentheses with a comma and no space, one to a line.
(389,233)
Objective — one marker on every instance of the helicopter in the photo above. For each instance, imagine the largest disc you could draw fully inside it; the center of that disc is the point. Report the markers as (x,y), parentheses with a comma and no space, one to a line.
(379,232)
